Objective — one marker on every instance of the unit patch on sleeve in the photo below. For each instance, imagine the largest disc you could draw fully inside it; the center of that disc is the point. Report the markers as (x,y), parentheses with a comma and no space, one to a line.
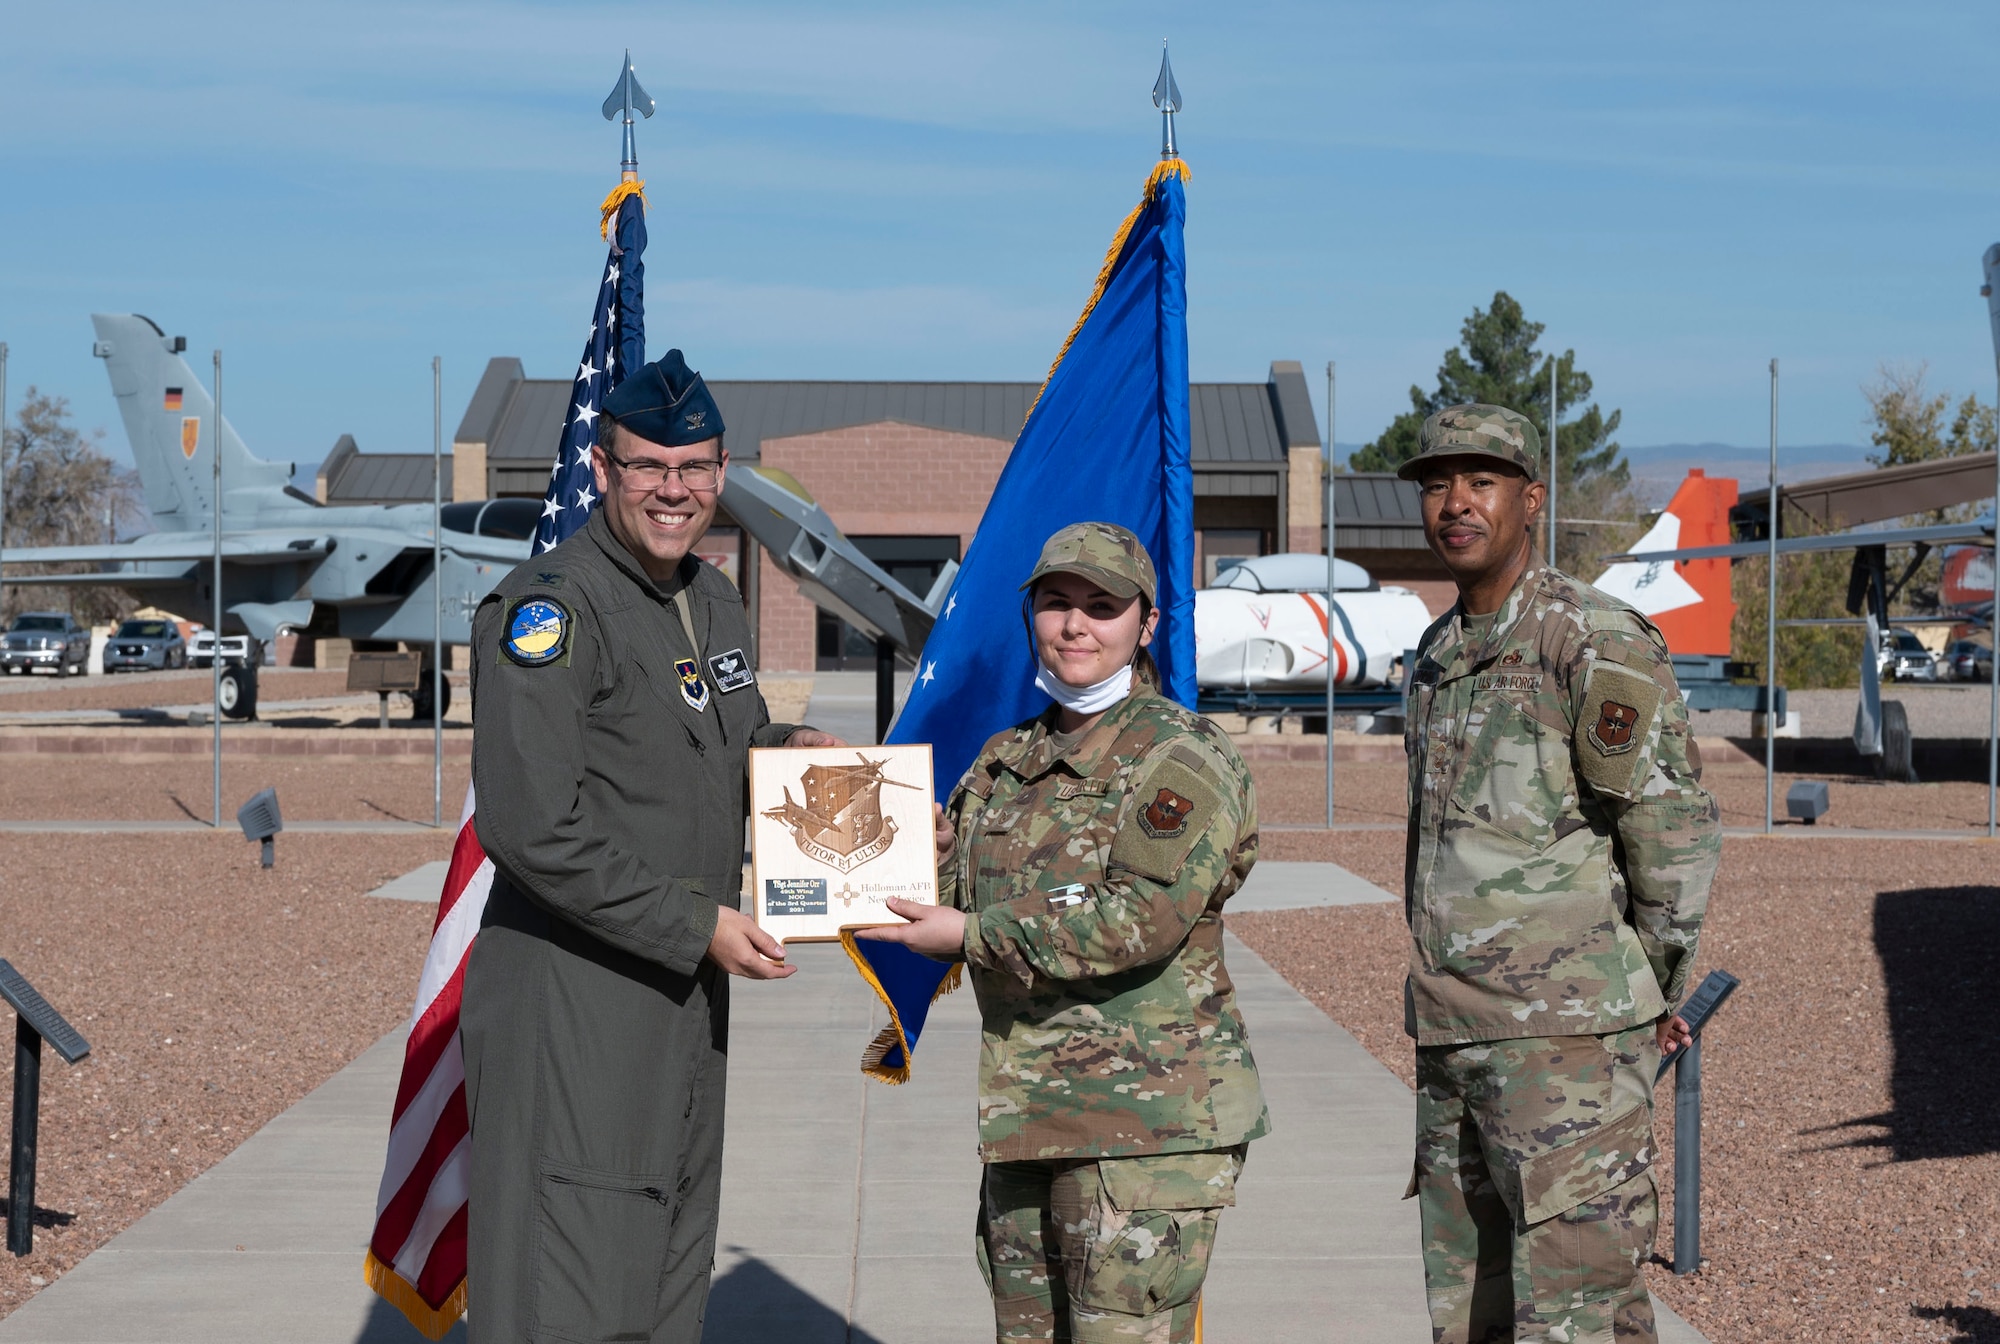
(537,632)
(1172,809)
(732,671)
(693,689)
(1617,720)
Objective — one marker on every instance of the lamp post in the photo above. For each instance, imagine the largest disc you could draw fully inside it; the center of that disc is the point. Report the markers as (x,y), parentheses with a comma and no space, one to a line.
(1332,587)
(1771,618)
(437,590)
(215,586)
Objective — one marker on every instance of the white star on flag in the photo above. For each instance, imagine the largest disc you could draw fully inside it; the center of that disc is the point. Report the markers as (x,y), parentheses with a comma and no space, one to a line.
(930,673)
(948,610)
(550,508)
(584,372)
(585,414)
(584,499)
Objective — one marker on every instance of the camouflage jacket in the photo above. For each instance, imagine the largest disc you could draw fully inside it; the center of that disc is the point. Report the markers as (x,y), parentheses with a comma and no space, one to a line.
(1560,843)
(1096,877)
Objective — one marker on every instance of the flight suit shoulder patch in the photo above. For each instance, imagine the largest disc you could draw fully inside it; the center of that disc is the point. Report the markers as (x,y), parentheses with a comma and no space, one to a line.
(1619,707)
(1172,807)
(536,631)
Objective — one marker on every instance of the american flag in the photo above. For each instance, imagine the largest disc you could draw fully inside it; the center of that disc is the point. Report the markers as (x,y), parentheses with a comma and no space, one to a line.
(416,1257)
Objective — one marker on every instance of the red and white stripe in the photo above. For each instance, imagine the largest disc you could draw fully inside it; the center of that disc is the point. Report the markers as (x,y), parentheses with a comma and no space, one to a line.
(420,1214)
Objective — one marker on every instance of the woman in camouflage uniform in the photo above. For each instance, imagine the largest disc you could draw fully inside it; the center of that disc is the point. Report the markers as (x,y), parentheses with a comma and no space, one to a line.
(1084,860)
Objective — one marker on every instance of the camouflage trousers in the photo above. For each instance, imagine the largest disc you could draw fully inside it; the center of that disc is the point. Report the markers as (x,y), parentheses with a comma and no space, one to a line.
(1534,1180)
(1096,1250)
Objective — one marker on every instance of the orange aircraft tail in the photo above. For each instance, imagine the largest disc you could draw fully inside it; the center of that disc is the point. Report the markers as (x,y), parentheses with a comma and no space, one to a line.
(1688,599)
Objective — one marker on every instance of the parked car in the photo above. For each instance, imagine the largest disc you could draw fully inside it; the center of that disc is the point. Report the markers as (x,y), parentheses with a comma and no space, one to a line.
(50,639)
(201,649)
(145,644)
(1970,661)
(1904,658)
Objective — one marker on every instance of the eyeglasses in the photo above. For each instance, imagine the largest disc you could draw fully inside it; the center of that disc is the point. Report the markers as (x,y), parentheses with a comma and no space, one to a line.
(644,477)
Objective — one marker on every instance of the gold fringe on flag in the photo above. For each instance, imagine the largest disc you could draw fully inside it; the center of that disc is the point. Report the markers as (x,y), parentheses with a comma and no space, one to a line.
(609,210)
(1161,171)
(431,1322)
(892,1035)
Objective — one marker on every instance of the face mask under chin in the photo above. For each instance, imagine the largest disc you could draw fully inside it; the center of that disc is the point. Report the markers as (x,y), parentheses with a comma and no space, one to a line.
(1093,699)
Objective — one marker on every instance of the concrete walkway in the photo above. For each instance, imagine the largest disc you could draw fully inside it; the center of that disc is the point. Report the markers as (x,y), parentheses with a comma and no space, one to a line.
(847,1206)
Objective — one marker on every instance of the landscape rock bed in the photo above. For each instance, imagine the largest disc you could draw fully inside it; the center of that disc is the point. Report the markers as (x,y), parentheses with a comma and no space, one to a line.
(1851,1144)
(214,995)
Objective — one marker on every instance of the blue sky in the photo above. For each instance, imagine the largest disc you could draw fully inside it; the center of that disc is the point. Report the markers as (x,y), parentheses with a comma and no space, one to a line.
(334,193)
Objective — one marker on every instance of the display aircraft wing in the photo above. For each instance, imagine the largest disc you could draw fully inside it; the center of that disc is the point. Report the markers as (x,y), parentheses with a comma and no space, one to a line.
(1943,534)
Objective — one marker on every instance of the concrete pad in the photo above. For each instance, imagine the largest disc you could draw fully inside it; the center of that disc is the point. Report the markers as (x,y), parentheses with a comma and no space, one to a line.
(423,884)
(1282,885)
(847,1206)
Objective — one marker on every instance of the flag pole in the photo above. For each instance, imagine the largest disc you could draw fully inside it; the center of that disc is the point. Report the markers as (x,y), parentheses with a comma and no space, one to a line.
(1555,458)
(437,590)
(1332,587)
(3,446)
(215,587)
(1771,621)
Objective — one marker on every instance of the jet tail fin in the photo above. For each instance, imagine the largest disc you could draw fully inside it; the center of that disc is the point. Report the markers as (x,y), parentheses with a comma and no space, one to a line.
(1689,600)
(170,421)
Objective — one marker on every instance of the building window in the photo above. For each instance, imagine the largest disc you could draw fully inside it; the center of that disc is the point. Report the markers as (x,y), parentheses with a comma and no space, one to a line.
(1223,546)
(914,562)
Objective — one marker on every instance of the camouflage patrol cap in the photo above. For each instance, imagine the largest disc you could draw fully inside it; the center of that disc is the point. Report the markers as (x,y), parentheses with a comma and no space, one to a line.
(1108,555)
(1477,430)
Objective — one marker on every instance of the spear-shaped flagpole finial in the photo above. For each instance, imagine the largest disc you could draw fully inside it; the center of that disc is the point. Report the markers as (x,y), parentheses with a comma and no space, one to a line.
(628,97)
(1167,97)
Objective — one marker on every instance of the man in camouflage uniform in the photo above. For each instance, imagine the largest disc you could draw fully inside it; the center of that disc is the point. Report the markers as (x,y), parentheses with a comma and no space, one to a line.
(1083,875)
(1560,853)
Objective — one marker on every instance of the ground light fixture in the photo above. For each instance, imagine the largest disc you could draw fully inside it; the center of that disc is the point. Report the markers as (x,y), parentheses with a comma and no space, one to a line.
(260,821)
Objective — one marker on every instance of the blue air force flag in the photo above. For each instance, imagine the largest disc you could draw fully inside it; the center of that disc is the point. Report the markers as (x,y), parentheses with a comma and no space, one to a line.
(1107,440)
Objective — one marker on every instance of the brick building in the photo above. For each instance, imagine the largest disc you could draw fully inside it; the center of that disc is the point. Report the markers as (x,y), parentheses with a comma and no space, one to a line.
(906,469)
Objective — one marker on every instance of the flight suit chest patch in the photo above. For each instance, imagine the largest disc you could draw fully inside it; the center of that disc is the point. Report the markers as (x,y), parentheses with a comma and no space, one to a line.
(732,671)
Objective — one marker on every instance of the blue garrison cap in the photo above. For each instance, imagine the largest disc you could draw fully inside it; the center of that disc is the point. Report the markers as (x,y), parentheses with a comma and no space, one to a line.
(665,402)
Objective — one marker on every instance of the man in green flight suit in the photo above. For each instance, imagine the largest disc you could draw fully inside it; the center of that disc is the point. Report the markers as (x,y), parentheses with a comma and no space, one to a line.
(616,703)
(1560,852)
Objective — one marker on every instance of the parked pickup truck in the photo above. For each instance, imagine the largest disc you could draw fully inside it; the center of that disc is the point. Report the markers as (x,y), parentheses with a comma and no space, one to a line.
(50,639)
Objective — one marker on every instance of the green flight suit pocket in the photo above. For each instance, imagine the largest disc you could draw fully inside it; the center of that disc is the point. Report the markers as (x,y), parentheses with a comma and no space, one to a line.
(594,1226)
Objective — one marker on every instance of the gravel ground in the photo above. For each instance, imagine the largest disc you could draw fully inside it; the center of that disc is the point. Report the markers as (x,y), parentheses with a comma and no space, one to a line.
(213,994)
(1294,793)
(51,787)
(1852,1145)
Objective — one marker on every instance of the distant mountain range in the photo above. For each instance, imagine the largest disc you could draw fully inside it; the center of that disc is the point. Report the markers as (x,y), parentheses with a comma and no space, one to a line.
(1658,469)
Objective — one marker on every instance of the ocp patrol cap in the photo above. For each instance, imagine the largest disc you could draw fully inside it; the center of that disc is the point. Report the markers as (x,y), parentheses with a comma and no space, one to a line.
(1477,430)
(665,402)
(1110,556)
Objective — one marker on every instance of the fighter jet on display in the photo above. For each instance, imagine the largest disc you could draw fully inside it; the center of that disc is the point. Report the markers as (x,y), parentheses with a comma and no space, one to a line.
(288,562)
(1262,629)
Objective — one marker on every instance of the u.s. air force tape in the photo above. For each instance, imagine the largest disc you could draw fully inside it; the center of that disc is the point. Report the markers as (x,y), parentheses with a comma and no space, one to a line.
(536,632)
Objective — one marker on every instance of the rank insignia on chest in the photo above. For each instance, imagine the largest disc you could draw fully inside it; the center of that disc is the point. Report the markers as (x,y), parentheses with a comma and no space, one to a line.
(537,632)
(693,689)
(1612,733)
(1166,815)
(732,671)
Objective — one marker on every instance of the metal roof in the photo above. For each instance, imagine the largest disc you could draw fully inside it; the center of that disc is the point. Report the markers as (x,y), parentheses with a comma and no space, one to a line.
(1232,424)
(1375,511)
(355,477)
